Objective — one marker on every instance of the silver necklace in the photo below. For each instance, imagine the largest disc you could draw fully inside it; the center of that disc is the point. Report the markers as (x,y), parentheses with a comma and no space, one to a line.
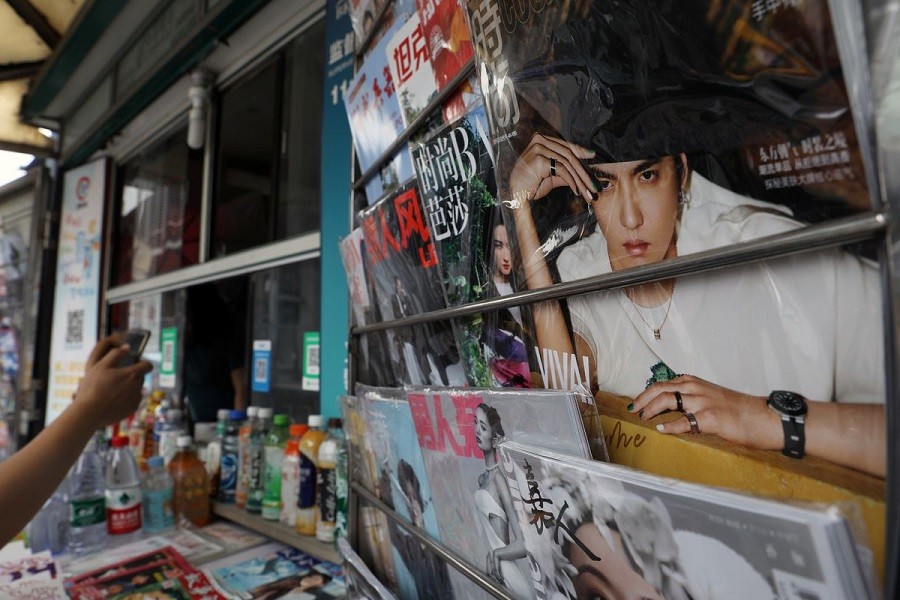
(657,331)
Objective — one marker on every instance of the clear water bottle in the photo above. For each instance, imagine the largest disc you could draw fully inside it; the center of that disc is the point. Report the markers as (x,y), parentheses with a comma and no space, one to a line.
(257,453)
(87,500)
(157,488)
(228,470)
(123,492)
(173,426)
(214,451)
(49,529)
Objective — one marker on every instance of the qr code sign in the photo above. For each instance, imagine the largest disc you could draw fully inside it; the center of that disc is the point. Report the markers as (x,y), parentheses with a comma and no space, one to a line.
(168,353)
(75,326)
(261,369)
(312,360)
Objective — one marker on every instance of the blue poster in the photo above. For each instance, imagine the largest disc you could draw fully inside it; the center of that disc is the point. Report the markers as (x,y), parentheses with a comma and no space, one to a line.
(262,365)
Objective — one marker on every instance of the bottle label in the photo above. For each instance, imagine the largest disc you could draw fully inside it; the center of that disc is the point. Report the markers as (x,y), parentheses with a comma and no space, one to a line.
(158,511)
(87,512)
(123,510)
(306,497)
(327,495)
(228,477)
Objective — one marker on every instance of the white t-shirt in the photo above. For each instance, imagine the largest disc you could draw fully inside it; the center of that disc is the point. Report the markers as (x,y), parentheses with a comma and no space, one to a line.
(809,323)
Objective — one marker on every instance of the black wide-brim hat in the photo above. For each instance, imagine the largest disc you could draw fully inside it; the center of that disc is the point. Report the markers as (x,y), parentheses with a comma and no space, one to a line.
(634,80)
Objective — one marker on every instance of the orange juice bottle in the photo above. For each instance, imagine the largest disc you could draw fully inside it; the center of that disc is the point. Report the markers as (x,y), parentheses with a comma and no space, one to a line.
(309,452)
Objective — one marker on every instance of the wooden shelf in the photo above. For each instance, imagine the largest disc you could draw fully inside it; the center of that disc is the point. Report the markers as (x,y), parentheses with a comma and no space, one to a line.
(277,531)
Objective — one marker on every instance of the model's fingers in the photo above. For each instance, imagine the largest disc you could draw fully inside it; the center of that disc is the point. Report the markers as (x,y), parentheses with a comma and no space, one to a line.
(663,402)
(676,426)
(573,158)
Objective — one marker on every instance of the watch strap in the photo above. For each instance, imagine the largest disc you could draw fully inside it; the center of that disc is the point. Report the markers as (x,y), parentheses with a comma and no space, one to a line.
(794,437)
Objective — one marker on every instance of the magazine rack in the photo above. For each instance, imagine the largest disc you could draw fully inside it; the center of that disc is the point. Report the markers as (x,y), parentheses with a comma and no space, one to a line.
(879,226)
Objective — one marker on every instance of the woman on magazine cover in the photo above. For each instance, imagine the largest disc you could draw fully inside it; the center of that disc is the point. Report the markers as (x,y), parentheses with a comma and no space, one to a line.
(630,99)
(495,511)
(504,334)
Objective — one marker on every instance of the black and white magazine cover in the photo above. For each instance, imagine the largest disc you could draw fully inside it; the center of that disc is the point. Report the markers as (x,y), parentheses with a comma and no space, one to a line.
(599,530)
(458,430)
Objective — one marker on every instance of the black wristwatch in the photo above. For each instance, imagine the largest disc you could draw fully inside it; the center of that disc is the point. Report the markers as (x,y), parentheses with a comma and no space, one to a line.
(791,407)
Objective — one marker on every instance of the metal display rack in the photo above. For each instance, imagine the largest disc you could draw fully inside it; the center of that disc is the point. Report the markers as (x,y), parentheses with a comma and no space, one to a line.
(881,226)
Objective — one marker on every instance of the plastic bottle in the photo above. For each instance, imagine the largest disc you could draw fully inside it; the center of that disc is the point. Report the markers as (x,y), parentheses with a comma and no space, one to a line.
(275,443)
(190,498)
(290,482)
(243,483)
(309,455)
(49,529)
(150,447)
(258,460)
(123,492)
(158,488)
(214,452)
(326,482)
(173,426)
(229,462)
(87,500)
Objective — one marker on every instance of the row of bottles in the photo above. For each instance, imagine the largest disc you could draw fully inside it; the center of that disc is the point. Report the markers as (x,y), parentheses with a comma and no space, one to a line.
(105,499)
(281,471)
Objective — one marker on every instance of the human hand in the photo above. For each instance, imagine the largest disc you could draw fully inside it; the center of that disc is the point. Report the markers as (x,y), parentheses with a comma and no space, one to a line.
(108,393)
(547,163)
(739,418)
(493,566)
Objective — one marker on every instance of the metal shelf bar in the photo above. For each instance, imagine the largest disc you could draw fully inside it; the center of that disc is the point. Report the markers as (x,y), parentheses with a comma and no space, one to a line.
(814,237)
(417,123)
(450,557)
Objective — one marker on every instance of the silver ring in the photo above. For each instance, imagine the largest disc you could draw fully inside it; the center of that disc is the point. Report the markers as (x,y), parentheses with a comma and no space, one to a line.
(695,427)
(552,167)
(679,405)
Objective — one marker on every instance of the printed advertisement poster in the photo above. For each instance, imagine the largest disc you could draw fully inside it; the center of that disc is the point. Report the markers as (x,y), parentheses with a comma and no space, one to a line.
(169,360)
(76,305)
(311,370)
(262,365)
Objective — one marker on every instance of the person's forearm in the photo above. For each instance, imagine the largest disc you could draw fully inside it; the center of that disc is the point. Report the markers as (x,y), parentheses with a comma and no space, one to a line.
(30,475)
(852,435)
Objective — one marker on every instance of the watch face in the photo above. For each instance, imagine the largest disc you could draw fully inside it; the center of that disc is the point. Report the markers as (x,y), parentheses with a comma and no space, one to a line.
(790,403)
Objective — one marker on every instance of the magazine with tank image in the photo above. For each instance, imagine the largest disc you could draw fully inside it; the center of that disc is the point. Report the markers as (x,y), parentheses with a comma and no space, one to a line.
(455,172)
(594,529)
(458,430)
(403,262)
(630,134)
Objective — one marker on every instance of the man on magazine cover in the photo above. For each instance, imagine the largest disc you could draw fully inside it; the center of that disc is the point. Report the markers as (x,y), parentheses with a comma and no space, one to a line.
(752,342)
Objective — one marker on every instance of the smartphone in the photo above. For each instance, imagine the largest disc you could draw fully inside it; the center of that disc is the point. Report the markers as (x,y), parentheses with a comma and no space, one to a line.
(137,340)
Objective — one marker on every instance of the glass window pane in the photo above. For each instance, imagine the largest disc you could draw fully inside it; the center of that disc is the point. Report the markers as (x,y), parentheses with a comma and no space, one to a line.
(299,189)
(158,225)
(285,306)
(245,175)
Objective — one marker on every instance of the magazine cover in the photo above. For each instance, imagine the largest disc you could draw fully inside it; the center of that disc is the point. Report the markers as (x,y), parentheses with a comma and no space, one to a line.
(628,134)
(372,366)
(458,430)
(411,69)
(360,578)
(599,530)
(455,172)
(373,109)
(450,48)
(402,259)
(403,485)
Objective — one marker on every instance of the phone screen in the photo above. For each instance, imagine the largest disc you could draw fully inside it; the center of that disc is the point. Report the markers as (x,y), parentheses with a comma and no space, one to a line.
(137,340)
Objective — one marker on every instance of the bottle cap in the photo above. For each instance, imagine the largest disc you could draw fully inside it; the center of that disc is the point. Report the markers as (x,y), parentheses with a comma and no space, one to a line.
(184,441)
(222,414)
(264,412)
(281,419)
(316,420)
(335,423)
(252,411)
(120,441)
(155,461)
(237,415)
(298,429)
